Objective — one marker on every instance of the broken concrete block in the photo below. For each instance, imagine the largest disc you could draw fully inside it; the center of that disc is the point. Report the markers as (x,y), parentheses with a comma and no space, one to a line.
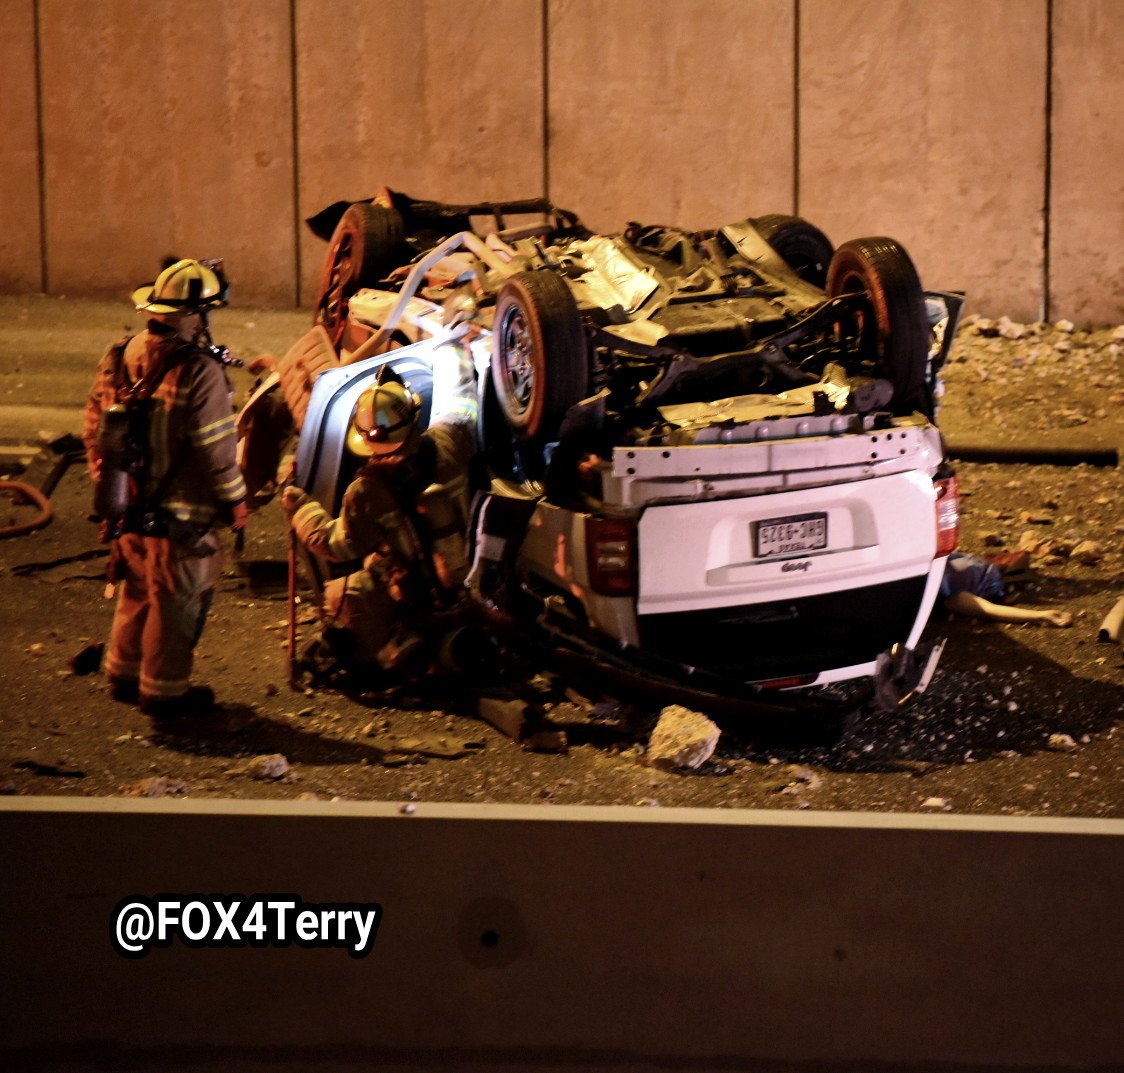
(1087,552)
(1009,329)
(1062,743)
(507,714)
(682,739)
(270,766)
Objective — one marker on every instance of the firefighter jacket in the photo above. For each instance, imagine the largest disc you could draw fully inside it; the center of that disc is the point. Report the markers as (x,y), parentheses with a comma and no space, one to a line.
(415,508)
(191,445)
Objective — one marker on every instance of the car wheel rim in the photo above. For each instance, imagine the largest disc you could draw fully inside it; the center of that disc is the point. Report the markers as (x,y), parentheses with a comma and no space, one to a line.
(516,348)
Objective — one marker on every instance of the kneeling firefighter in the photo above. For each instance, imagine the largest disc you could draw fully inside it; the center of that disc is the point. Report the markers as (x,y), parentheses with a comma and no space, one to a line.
(160,441)
(405,515)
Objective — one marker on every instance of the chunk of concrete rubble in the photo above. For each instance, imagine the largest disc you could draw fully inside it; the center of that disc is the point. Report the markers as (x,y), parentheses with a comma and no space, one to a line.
(269,766)
(1062,743)
(508,714)
(682,739)
(1066,326)
(1087,552)
(1010,329)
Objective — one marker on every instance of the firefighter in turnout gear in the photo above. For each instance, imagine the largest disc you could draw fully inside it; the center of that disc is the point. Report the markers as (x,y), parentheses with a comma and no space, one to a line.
(160,441)
(404,517)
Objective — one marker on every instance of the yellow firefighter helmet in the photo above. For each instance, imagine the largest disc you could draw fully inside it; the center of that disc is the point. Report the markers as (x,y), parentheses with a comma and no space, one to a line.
(186,287)
(385,417)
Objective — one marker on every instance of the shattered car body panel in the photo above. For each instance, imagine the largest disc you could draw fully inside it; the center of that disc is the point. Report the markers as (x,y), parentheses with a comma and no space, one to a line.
(761,481)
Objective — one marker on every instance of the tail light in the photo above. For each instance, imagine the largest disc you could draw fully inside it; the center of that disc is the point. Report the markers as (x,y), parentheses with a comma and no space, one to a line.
(788,683)
(948,516)
(610,555)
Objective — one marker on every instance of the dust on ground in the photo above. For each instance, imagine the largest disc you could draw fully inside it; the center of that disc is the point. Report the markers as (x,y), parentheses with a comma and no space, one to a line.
(1021,720)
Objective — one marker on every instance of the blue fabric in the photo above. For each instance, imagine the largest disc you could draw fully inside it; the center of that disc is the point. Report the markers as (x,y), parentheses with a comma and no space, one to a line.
(969,573)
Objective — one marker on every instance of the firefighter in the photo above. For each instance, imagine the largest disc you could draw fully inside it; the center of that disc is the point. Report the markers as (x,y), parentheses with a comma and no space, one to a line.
(177,475)
(405,516)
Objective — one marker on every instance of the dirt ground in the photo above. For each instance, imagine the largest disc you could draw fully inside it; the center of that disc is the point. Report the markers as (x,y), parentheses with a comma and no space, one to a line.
(1021,720)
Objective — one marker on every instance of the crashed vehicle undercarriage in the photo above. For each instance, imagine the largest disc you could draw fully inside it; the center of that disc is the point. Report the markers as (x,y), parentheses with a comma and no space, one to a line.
(722,441)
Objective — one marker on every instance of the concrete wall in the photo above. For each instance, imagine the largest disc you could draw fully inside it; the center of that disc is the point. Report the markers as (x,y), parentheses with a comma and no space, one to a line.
(167,129)
(21,268)
(926,122)
(1087,161)
(984,134)
(441,100)
(659,112)
(564,939)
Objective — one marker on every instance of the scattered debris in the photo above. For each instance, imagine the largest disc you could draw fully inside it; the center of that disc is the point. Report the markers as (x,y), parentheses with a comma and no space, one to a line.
(937,803)
(1062,743)
(1009,329)
(1087,552)
(88,660)
(801,779)
(508,714)
(54,770)
(270,766)
(156,786)
(546,741)
(682,739)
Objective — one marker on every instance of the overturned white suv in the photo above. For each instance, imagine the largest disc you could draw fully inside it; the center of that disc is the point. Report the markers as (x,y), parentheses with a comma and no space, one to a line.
(718,447)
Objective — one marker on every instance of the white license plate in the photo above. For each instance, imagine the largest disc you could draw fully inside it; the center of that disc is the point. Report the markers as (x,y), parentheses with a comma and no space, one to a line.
(790,536)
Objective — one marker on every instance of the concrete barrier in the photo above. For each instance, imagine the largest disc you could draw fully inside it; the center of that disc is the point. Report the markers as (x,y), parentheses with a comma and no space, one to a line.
(565,938)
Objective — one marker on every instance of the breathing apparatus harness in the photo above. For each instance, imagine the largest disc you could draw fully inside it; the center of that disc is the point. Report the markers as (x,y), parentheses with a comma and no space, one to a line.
(123,443)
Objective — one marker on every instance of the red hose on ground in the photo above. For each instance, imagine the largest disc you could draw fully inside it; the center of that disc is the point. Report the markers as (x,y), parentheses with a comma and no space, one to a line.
(44,517)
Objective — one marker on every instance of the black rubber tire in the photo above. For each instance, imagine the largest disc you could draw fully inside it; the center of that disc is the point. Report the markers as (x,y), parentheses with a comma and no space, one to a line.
(540,359)
(801,245)
(368,242)
(899,337)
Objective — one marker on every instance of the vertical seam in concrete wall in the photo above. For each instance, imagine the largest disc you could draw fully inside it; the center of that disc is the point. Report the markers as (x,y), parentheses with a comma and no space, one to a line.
(296,153)
(545,99)
(796,108)
(42,162)
(1049,168)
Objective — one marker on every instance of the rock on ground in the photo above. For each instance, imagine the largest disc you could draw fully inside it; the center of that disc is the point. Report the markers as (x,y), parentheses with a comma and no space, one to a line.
(682,739)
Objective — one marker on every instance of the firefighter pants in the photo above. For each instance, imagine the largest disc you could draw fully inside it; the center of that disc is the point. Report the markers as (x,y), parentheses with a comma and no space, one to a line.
(361,606)
(165,594)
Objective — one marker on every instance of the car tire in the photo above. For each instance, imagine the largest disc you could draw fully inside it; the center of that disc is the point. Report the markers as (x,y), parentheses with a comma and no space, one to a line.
(801,245)
(366,244)
(899,337)
(540,362)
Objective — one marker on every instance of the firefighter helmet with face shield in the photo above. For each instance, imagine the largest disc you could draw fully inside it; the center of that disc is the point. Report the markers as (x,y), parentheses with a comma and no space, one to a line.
(385,419)
(185,287)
